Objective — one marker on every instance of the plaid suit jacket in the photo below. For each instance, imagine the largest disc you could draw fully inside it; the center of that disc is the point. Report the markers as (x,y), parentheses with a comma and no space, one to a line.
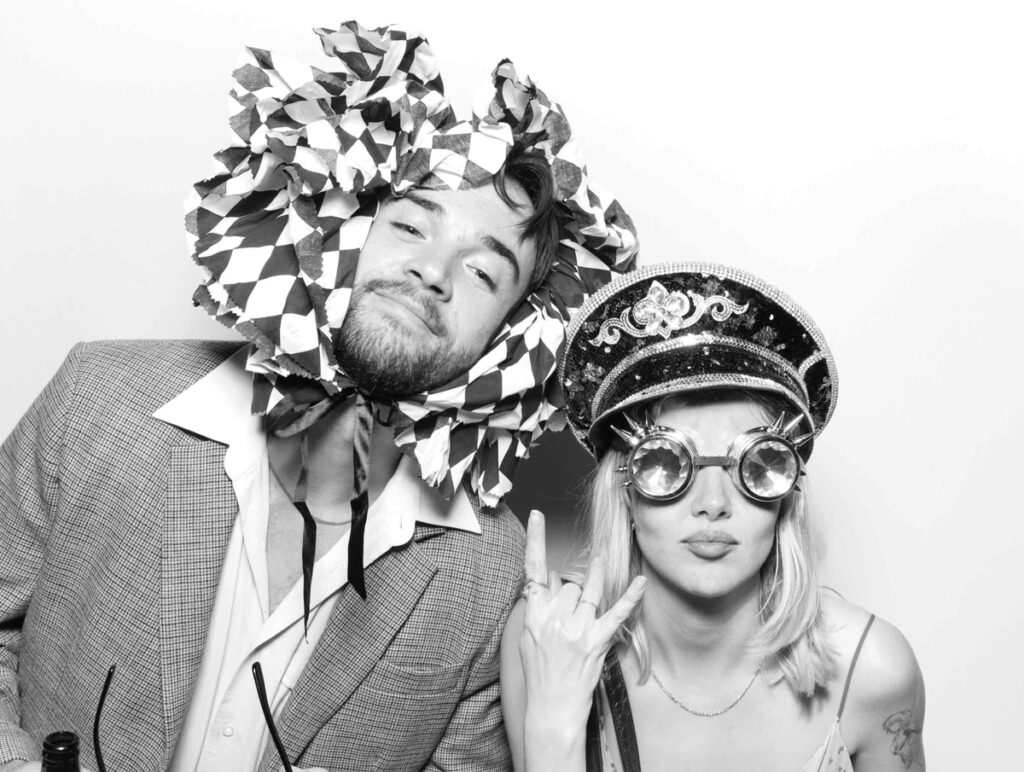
(113,528)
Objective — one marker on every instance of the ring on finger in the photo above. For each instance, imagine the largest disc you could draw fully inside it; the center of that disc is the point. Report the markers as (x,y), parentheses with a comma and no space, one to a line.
(536,582)
(581,601)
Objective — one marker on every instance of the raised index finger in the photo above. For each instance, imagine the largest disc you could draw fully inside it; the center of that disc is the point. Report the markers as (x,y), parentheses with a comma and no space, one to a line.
(536,563)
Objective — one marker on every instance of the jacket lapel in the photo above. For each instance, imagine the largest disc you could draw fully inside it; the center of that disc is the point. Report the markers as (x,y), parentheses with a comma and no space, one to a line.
(200,511)
(355,638)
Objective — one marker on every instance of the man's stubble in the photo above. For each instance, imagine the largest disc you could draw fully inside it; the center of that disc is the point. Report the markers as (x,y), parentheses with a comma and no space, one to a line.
(381,355)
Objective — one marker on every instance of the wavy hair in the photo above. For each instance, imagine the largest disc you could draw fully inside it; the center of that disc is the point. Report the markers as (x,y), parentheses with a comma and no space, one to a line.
(791,634)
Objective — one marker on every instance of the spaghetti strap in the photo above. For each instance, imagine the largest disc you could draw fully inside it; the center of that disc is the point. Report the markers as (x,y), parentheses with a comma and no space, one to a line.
(853,664)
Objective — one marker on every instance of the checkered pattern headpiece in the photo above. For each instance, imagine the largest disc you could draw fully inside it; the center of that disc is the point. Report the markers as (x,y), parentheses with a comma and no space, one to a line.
(278,231)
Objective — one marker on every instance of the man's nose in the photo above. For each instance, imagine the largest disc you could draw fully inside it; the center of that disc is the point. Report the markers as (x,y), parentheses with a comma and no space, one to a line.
(431,268)
(711,493)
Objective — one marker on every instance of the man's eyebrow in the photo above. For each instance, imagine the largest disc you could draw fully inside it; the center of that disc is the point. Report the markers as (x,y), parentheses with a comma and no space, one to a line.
(506,254)
(431,206)
(494,244)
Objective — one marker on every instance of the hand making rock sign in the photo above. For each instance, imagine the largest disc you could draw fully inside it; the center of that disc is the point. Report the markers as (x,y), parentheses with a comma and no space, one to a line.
(553,650)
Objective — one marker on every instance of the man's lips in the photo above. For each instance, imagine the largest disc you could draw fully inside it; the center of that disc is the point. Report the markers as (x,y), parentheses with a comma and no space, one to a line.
(414,308)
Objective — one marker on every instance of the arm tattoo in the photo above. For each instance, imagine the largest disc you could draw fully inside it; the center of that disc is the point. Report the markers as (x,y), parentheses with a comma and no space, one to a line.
(905,729)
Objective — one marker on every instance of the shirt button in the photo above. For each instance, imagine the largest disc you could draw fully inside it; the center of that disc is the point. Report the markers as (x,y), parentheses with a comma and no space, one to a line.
(228,731)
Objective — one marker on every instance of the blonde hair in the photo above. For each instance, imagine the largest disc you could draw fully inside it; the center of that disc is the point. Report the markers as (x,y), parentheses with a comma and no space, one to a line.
(791,634)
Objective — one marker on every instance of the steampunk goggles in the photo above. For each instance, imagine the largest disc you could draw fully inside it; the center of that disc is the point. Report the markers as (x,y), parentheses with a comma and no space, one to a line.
(764,462)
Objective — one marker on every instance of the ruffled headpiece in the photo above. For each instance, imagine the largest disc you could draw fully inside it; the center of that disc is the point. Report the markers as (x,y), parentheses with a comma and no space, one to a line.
(278,231)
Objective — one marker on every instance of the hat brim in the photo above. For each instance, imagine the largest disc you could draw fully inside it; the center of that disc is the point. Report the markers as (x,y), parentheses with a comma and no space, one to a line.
(689,364)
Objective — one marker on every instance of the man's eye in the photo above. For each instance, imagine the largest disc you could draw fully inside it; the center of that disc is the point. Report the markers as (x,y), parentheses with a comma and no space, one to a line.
(484,277)
(404,227)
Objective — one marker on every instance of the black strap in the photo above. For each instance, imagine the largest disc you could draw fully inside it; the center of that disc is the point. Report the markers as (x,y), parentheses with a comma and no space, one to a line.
(308,528)
(594,735)
(360,502)
(853,663)
(622,715)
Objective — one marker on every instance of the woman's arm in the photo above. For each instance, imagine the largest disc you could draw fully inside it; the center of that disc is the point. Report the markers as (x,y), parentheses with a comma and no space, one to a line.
(887,704)
(553,650)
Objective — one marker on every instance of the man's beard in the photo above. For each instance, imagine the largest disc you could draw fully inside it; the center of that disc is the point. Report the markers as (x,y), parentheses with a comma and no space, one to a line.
(381,356)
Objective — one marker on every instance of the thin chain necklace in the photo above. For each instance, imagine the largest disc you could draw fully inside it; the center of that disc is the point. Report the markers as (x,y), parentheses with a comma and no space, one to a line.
(709,713)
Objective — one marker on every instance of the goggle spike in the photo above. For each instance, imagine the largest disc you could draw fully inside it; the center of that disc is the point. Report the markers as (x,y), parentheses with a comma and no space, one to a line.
(777,426)
(623,468)
(797,489)
(791,426)
(629,438)
(637,428)
(626,484)
(803,439)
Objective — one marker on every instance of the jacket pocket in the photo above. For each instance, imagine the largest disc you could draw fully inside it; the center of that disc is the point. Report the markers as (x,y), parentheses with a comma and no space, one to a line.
(393,680)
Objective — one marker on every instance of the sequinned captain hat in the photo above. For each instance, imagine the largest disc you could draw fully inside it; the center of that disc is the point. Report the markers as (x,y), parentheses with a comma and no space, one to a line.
(682,327)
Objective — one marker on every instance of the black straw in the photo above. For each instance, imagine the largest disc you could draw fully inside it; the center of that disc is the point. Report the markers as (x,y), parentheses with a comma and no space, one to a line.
(261,691)
(96,721)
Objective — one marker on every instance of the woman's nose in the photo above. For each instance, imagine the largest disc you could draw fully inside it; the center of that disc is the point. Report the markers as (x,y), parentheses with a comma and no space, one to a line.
(710,497)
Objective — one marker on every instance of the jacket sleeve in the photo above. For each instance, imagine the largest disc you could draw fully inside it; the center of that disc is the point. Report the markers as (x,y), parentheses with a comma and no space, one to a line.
(475,738)
(30,472)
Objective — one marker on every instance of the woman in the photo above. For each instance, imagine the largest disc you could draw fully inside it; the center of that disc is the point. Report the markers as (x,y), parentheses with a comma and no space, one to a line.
(700,638)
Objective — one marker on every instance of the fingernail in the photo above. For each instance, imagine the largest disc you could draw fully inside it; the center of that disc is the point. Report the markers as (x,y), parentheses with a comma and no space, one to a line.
(641,583)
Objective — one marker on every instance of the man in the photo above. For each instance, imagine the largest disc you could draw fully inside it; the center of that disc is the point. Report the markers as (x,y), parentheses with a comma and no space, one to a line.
(399,279)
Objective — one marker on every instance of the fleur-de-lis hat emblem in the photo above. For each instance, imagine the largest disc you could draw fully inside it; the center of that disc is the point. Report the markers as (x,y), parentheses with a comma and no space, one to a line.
(676,327)
(662,313)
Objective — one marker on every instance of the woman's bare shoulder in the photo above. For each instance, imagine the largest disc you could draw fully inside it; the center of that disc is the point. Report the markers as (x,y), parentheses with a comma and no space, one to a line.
(884,711)
(886,664)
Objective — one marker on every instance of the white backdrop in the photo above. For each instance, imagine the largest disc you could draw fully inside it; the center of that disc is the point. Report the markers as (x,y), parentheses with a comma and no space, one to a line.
(867,157)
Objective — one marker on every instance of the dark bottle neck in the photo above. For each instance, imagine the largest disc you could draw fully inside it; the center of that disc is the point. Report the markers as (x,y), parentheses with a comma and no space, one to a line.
(60,752)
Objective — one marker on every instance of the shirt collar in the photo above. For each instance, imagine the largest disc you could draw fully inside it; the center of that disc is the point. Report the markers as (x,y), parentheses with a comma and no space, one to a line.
(217,407)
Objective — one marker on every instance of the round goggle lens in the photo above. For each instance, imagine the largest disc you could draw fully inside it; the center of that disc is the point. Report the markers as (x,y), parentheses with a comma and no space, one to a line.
(660,467)
(770,469)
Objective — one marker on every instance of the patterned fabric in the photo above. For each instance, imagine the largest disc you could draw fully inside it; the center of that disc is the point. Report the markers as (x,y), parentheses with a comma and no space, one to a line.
(278,231)
(407,680)
(832,756)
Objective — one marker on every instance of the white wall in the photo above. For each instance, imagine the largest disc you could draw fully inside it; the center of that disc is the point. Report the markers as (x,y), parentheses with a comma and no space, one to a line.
(867,157)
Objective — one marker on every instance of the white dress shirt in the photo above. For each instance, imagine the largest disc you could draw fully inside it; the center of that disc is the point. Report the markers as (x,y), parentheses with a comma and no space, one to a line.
(224,726)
